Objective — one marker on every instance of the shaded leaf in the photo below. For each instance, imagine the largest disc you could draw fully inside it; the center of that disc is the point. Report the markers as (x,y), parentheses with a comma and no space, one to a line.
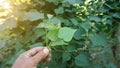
(108,22)
(74,21)
(81,60)
(116,15)
(99,39)
(65,4)
(95,18)
(78,34)
(66,57)
(59,10)
(85,26)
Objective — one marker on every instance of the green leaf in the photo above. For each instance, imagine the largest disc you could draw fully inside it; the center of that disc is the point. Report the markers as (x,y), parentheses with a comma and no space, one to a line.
(103,10)
(112,65)
(35,45)
(85,26)
(70,47)
(50,26)
(43,25)
(65,4)
(51,1)
(18,45)
(34,15)
(2,43)
(2,25)
(41,3)
(119,38)
(53,35)
(74,21)
(58,42)
(49,16)
(20,15)
(11,23)
(71,1)
(59,10)
(78,34)
(98,66)
(109,6)
(56,2)
(66,57)
(80,1)
(38,33)
(116,15)
(81,60)
(99,39)
(7,23)
(108,22)
(55,20)
(66,22)
(95,18)
(66,33)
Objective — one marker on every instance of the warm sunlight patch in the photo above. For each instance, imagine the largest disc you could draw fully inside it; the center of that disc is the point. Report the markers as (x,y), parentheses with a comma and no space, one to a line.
(4,4)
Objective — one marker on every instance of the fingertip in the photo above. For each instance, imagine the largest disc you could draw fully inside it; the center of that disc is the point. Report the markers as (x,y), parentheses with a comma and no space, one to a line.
(46,51)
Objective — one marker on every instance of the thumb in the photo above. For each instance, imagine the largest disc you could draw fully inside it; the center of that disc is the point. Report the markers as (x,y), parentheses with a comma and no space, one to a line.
(41,55)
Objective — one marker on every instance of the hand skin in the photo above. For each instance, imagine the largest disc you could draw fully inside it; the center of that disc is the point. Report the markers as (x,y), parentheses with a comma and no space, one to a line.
(31,58)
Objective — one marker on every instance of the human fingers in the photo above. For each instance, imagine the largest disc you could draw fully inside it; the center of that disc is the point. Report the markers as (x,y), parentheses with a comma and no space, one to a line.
(48,58)
(33,51)
(41,55)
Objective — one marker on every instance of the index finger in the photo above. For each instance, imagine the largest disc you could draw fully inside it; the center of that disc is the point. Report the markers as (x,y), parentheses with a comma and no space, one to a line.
(41,55)
(33,51)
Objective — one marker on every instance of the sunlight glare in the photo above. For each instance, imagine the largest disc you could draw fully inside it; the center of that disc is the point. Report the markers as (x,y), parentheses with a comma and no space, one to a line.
(4,4)
(1,1)
(2,21)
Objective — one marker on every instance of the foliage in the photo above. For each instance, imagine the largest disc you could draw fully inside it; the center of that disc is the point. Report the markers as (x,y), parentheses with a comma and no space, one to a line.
(80,33)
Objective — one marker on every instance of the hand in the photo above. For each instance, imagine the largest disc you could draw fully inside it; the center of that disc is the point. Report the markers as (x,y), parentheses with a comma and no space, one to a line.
(31,58)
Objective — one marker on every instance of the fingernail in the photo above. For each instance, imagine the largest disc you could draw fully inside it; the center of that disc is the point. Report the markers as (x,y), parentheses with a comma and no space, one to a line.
(45,50)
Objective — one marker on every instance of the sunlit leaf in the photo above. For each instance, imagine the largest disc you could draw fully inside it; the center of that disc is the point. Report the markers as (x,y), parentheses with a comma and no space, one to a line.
(34,15)
(53,35)
(66,33)
(49,16)
(57,43)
